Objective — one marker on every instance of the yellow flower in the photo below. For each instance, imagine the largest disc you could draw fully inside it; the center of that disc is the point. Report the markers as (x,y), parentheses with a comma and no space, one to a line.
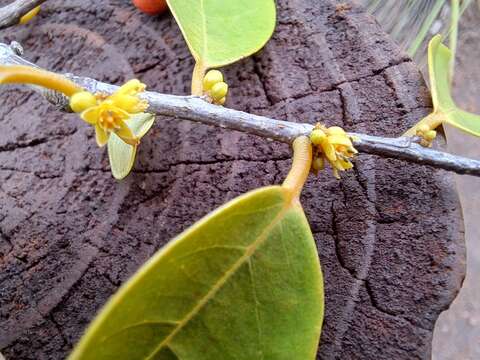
(108,118)
(333,145)
(109,113)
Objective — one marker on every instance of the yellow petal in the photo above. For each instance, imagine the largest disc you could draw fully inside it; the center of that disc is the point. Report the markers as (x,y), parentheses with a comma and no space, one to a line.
(91,115)
(347,165)
(329,151)
(107,109)
(131,87)
(335,130)
(343,164)
(124,132)
(340,140)
(101,136)
(130,104)
(122,114)
(120,100)
(351,151)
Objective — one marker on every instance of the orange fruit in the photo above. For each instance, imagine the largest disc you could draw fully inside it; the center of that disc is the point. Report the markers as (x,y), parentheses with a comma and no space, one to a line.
(151,7)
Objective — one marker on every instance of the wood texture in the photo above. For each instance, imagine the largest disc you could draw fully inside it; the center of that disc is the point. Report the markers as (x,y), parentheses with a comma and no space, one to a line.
(389,234)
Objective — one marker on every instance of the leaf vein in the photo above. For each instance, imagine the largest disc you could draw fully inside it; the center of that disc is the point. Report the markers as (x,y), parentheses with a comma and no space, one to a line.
(139,324)
(250,250)
(200,250)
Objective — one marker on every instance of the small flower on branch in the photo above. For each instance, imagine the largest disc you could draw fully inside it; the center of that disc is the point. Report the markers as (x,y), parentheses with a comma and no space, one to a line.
(109,114)
(332,145)
(215,88)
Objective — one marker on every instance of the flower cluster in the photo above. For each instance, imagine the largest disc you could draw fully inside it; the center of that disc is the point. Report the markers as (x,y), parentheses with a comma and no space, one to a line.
(426,134)
(109,113)
(334,146)
(214,87)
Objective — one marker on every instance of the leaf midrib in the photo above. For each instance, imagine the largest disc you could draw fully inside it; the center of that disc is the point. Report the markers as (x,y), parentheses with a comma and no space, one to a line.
(226,276)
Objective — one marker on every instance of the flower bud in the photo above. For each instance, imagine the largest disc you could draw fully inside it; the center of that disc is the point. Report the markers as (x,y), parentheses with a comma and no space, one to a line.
(423,128)
(211,78)
(131,87)
(430,135)
(219,91)
(81,101)
(317,136)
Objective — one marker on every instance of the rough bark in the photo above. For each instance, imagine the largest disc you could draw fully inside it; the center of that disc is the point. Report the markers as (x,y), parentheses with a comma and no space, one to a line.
(389,234)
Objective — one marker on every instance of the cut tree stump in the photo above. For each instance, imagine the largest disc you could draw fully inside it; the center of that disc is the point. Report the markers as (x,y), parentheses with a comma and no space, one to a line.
(389,234)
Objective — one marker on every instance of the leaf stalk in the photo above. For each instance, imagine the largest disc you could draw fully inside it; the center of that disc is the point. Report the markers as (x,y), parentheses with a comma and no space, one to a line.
(301,165)
(20,74)
(199,71)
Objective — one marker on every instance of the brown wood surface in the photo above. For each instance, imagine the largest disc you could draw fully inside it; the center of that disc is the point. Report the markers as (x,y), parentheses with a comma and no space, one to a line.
(389,234)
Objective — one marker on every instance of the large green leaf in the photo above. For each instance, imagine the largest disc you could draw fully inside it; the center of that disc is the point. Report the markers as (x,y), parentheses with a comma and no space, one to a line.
(220,32)
(243,283)
(439,58)
(121,154)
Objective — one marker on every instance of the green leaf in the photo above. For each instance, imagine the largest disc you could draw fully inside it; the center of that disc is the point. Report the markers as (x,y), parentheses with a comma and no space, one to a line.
(243,283)
(465,121)
(121,154)
(439,57)
(220,32)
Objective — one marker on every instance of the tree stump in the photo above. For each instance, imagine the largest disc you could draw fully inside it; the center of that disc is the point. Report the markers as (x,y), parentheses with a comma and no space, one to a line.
(389,234)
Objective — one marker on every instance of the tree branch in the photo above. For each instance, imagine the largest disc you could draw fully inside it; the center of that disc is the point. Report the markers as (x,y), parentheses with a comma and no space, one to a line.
(197,109)
(10,14)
